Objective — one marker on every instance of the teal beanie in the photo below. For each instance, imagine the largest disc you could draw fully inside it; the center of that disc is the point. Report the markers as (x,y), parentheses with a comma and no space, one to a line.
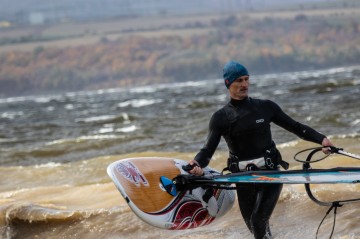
(233,70)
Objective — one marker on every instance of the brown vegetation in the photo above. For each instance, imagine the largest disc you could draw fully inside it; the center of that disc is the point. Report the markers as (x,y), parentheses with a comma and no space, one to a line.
(264,45)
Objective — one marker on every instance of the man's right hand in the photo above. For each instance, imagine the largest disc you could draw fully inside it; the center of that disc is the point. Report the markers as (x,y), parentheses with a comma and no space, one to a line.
(196,170)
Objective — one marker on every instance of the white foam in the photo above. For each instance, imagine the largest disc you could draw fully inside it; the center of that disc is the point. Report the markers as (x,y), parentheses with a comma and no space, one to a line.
(84,138)
(11,114)
(127,129)
(137,103)
(96,118)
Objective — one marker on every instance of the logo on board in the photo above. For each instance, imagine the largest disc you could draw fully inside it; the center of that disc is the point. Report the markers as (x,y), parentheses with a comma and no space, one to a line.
(129,171)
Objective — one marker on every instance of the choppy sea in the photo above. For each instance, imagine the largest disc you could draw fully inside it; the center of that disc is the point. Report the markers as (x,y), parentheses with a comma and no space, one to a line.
(54,150)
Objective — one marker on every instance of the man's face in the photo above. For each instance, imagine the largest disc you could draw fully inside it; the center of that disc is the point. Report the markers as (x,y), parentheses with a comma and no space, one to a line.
(239,88)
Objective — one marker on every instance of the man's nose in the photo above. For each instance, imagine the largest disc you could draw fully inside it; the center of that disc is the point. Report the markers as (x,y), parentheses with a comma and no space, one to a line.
(243,83)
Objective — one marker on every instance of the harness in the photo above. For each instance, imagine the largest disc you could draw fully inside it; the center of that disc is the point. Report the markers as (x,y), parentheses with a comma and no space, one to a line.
(272,160)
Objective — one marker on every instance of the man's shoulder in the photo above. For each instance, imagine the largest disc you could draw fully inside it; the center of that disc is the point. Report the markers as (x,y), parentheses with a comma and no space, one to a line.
(227,113)
(219,119)
(221,112)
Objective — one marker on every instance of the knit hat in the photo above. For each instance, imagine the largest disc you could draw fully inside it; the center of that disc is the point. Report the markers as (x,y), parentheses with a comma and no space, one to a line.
(233,70)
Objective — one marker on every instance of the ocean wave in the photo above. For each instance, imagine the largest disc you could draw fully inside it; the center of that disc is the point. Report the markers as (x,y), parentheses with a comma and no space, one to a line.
(159,87)
(85,139)
(128,129)
(99,118)
(12,140)
(11,114)
(347,136)
(48,165)
(33,98)
(41,213)
(137,103)
(43,218)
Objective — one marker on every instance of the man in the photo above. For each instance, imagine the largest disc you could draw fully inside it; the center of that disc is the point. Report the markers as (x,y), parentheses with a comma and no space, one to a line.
(244,123)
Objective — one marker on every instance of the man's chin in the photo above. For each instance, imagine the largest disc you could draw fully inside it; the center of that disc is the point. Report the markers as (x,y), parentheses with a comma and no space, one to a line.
(243,94)
(241,97)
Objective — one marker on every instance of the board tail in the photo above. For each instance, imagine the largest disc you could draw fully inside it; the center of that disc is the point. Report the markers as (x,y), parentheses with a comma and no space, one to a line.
(146,185)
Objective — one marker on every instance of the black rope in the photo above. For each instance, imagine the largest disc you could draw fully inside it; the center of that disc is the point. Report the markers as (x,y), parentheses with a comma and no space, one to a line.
(310,155)
(334,221)
(334,207)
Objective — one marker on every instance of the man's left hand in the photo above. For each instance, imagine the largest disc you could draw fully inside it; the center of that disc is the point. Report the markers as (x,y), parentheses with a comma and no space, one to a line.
(325,143)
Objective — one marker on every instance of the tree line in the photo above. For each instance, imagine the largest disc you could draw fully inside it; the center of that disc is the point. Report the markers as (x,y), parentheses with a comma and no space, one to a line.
(267,45)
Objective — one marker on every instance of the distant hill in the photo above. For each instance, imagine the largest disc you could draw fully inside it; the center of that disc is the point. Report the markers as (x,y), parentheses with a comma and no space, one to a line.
(37,12)
(267,44)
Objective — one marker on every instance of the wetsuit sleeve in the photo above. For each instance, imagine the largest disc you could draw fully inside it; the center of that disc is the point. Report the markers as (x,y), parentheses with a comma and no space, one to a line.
(303,131)
(216,127)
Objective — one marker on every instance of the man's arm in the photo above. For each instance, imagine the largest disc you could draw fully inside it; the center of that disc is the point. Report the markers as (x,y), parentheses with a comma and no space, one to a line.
(303,131)
(216,126)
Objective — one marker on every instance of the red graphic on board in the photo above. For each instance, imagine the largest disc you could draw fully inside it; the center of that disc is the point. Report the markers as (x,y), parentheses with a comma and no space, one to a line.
(129,171)
(191,214)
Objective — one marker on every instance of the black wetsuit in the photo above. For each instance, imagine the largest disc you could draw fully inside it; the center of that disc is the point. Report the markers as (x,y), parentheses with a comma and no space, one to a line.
(245,126)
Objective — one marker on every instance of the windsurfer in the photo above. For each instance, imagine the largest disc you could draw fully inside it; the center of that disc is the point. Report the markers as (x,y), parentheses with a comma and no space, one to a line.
(244,123)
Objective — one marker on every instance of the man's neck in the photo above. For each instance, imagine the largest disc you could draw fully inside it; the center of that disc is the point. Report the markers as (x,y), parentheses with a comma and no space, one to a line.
(236,102)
